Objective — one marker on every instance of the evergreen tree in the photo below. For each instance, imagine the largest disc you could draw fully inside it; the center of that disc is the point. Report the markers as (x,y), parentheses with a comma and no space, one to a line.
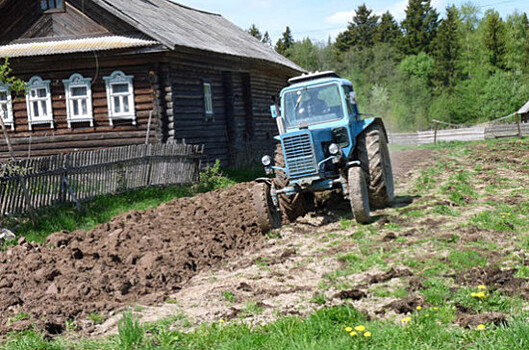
(494,39)
(285,42)
(360,32)
(419,27)
(525,59)
(388,30)
(255,32)
(446,50)
(266,39)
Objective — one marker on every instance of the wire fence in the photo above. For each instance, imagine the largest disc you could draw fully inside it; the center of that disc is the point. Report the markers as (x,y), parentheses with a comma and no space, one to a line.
(75,177)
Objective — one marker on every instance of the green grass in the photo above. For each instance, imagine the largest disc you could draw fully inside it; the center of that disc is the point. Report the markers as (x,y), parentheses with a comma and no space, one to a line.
(323,330)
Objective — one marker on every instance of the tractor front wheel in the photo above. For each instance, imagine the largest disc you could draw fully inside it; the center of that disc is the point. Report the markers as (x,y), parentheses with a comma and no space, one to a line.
(358,195)
(267,214)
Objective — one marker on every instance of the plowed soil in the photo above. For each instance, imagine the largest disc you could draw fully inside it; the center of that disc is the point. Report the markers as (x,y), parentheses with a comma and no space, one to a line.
(137,257)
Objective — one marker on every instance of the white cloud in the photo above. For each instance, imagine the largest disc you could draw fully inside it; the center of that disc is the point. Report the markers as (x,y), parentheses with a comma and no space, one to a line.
(341,18)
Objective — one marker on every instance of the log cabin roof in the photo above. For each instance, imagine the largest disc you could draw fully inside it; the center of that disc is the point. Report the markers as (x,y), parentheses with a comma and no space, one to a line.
(74,45)
(177,25)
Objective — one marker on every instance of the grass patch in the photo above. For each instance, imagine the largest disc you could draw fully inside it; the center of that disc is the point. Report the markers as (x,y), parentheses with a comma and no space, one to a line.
(466,259)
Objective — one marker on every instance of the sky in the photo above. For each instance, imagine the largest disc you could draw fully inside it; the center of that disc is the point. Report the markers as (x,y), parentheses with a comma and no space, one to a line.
(319,19)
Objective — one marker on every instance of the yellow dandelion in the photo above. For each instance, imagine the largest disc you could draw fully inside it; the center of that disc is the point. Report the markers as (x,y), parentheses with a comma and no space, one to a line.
(481,327)
(503,216)
(435,308)
(360,328)
(222,321)
(353,334)
(482,287)
(474,295)
(406,319)
(508,214)
(427,315)
(348,329)
(386,224)
(481,295)
(367,334)
(419,307)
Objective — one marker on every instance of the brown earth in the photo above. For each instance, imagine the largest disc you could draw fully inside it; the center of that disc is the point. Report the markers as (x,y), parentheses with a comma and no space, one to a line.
(137,257)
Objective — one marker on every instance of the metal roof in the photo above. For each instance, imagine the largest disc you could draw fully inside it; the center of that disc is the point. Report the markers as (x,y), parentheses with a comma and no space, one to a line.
(73,45)
(177,25)
(524,109)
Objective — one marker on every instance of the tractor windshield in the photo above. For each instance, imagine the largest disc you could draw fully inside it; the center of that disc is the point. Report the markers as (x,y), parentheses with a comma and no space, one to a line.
(313,105)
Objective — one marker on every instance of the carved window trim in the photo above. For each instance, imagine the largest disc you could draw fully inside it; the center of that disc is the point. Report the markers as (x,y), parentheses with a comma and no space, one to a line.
(120,103)
(77,103)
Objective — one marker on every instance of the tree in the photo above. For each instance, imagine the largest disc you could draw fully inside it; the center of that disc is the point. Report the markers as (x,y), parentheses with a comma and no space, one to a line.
(305,54)
(446,50)
(285,42)
(525,60)
(360,32)
(266,39)
(388,30)
(419,27)
(255,32)
(494,39)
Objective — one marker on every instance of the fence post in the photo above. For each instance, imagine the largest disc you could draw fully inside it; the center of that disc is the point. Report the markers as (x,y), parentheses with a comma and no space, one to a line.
(518,124)
(435,134)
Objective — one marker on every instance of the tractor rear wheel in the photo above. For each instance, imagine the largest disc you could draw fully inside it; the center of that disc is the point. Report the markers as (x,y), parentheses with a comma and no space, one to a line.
(358,195)
(372,151)
(268,216)
(291,206)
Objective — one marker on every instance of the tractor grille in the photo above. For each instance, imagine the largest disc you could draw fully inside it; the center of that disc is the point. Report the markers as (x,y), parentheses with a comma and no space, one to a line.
(299,155)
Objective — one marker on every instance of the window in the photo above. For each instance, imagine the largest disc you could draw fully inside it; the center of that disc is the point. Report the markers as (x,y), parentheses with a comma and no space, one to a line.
(208,100)
(46,5)
(120,97)
(39,102)
(6,106)
(78,100)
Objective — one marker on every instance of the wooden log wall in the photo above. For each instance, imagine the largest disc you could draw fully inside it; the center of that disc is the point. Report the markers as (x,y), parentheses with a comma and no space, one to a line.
(44,140)
(242,129)
(16,17)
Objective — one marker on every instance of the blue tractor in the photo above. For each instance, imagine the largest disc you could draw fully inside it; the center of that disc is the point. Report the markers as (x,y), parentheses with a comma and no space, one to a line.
(324,144)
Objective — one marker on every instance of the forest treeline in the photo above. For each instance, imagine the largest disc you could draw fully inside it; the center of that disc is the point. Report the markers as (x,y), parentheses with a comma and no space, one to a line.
(465,68)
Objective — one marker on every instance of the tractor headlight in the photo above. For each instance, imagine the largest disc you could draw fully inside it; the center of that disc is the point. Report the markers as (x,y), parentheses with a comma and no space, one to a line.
(334,149)
(266,160)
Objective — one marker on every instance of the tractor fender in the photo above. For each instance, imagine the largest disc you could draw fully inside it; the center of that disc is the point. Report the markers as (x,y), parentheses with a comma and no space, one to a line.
(376,120)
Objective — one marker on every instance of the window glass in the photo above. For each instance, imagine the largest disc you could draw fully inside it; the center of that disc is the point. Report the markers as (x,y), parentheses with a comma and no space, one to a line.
(3,96)
(79,91)
(120,88)
(208,100)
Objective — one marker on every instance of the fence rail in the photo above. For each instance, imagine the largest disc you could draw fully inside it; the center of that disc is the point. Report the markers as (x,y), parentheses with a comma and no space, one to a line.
(476,133)
(79,176)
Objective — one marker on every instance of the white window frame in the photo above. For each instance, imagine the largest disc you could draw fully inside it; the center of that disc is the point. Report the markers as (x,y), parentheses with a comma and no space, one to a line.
(8,119)
(208,99)
(78,81)
(37,83)
(118,77)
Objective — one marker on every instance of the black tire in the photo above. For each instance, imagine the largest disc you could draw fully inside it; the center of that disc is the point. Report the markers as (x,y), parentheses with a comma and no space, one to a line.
(358,195)
(372,151)
(267,214)
(294,206)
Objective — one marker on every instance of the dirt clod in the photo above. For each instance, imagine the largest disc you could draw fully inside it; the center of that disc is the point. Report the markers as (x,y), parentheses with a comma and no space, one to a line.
(466,320)
(404,305)
(392,273)
(354,294)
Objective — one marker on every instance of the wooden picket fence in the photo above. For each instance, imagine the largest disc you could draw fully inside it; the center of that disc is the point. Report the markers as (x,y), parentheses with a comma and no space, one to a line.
(75,177)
